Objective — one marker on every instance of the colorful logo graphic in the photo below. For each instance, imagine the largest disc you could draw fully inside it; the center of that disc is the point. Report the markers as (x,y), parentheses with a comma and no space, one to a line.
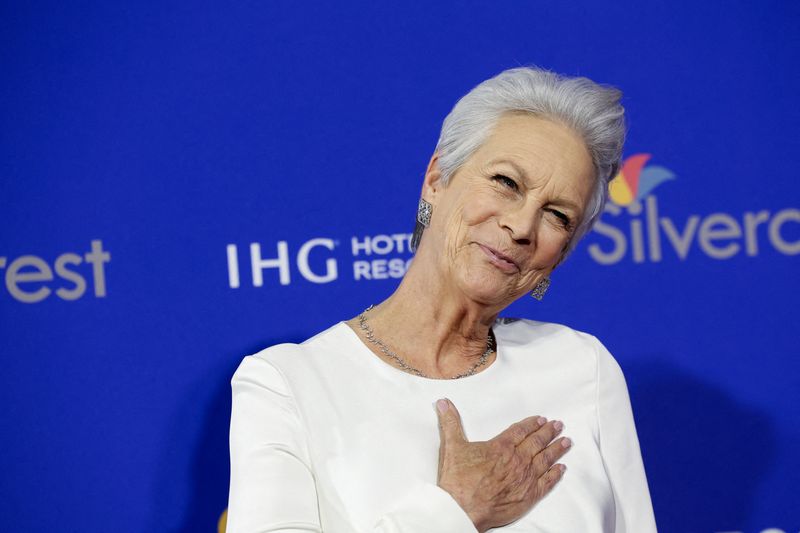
(635,181)
(634,225)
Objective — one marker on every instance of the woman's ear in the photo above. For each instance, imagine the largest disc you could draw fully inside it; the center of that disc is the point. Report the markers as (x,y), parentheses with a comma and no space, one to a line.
(432,184)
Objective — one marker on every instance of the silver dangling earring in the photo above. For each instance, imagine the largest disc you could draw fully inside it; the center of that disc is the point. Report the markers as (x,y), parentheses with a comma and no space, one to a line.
(424,210)
(540,288)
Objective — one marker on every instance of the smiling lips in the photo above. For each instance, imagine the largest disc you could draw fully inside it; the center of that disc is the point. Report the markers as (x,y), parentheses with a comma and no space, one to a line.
(501,261)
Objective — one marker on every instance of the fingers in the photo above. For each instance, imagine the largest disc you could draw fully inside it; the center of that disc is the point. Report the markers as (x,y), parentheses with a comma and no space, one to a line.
(450,429)
(550,478)
(541,438)
(519,431)
(545,460)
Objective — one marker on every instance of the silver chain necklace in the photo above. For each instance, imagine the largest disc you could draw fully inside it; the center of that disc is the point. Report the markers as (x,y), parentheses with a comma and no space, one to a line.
(362,322)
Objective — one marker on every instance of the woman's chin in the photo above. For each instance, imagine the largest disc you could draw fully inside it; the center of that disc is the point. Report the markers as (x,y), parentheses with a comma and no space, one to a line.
(488,290)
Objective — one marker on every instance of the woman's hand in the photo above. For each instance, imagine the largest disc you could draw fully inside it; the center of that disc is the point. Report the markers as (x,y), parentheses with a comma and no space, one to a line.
(497,481)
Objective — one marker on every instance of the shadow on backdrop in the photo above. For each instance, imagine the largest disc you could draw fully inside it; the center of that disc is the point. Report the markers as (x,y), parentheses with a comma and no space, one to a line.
(202,464)
(692,431)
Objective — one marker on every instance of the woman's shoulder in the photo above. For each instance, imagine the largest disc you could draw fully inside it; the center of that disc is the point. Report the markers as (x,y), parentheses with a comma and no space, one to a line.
(526,330)
(567,345)
(275,361)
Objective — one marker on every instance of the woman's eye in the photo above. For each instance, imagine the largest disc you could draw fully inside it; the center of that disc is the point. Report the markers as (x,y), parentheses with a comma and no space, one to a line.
(508,182)
(562,217)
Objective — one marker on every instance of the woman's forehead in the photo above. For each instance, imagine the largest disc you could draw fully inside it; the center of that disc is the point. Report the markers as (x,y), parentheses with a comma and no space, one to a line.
(532,145)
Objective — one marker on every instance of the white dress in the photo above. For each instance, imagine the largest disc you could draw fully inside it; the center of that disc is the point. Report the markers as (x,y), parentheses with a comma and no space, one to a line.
(326,436)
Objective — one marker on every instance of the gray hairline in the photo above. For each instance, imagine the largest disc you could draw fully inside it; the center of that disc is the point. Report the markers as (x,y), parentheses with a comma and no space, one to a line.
(599,188)
(464,131)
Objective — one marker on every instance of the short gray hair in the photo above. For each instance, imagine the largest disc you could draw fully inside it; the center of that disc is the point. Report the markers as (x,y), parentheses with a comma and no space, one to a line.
(592,110)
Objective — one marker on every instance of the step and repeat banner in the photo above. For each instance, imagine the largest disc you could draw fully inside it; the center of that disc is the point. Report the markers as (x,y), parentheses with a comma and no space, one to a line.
(184,183)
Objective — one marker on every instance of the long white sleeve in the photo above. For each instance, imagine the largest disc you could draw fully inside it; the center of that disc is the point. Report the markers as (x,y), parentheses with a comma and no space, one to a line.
(327,437)
(619,446)
(272,477)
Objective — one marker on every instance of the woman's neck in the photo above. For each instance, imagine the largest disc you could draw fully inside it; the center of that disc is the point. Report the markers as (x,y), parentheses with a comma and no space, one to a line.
(430,326)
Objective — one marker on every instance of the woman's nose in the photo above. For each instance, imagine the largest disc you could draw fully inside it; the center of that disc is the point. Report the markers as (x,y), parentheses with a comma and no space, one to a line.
(522,223)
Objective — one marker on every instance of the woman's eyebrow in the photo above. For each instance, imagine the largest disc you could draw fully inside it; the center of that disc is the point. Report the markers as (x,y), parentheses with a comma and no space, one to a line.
(519,169)
(565,202)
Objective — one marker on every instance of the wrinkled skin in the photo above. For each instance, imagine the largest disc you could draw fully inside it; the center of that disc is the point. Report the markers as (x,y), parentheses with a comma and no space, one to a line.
(520,195)
(501,224)
(497,481)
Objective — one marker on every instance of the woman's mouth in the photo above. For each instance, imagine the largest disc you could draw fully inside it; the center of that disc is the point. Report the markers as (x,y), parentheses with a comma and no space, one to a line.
(501,261)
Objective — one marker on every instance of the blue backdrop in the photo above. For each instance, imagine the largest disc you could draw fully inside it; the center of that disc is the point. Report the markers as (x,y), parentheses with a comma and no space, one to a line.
(152,152)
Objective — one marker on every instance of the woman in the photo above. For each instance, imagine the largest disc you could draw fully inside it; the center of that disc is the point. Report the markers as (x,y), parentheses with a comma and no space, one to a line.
(338,434)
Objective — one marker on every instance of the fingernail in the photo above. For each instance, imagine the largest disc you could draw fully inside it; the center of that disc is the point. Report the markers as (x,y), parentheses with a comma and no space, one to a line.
(566,443)
(563,468)
(441,405)
(558,425)
(541,421)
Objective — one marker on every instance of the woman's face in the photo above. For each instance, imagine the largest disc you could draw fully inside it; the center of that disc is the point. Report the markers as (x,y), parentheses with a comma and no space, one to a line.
(506,216)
